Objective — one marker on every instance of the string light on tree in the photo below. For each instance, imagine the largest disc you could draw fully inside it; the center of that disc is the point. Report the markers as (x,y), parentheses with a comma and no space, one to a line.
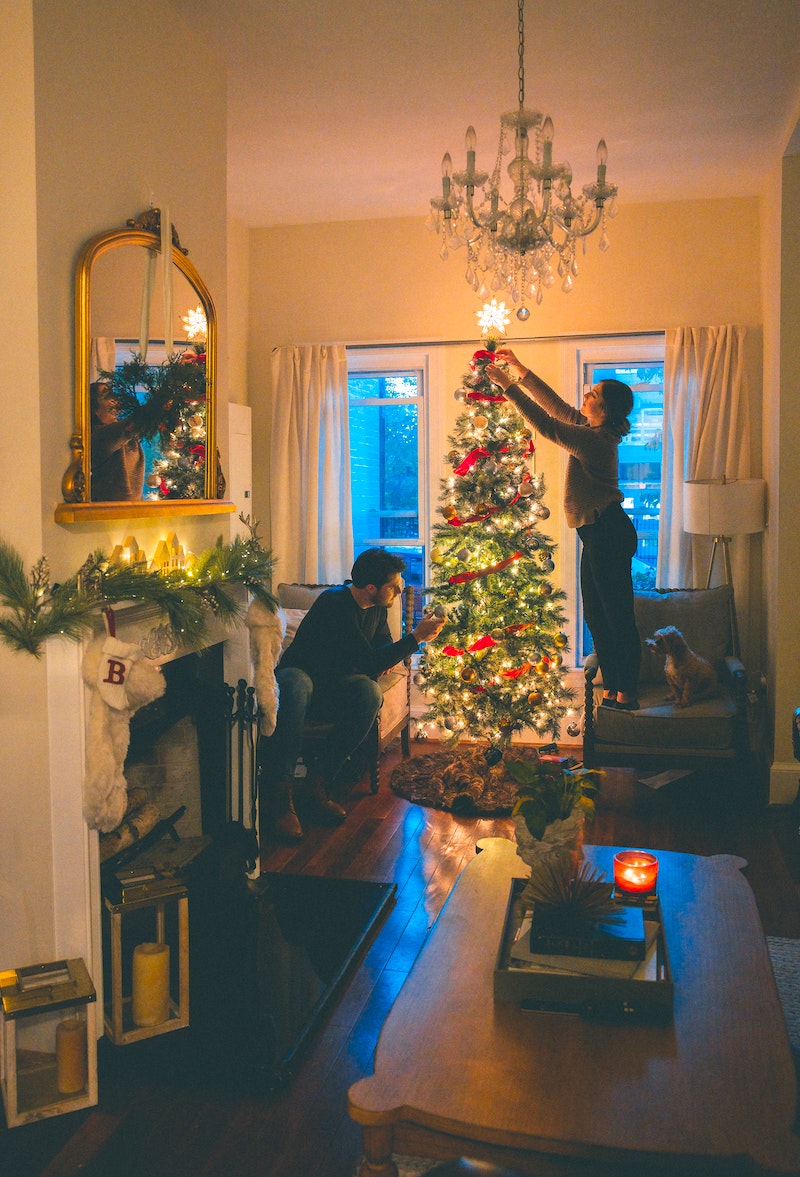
(497,667)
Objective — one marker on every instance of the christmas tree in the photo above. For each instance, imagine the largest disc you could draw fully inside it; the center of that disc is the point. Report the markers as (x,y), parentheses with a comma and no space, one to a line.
(497,666)
(178,468)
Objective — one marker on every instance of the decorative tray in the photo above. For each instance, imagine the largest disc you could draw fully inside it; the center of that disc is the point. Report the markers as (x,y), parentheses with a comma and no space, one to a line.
(596,989)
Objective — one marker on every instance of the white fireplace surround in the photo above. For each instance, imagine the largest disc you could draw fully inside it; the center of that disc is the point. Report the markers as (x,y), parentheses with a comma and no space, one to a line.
(76,863)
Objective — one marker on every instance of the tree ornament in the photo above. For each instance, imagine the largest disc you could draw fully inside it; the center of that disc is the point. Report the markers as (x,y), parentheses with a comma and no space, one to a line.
(454,457)
(573,729)
(419,680)
(436,555)
(542,666)
(525,489)
(556,660)
(449,511)
(548,565)
(561,640)
(535,699)
(544,588)
(450,723)
(468,674)
(497,635)
(479,421)
(463,555)
(543,512)
(493,756)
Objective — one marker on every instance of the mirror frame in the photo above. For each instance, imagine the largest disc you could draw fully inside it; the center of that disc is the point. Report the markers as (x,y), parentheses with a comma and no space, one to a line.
(76,483)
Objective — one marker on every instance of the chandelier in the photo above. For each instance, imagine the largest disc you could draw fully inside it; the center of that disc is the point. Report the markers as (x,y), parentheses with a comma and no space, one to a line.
(517,246)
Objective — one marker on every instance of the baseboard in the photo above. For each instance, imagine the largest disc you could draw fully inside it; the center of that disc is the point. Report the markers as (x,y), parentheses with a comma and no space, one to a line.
(783,782)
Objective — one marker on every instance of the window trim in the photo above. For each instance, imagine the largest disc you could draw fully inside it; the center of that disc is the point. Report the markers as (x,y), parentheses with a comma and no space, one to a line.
(431,435)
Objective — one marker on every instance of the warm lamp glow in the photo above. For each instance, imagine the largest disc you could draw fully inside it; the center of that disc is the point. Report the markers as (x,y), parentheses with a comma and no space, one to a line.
(635,871)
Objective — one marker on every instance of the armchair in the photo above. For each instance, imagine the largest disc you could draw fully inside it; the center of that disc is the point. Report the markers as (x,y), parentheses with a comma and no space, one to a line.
(714,729)
(394,717)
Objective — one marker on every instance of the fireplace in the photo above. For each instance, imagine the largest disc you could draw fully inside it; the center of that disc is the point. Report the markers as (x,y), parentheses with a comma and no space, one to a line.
(76,858)
(178,746)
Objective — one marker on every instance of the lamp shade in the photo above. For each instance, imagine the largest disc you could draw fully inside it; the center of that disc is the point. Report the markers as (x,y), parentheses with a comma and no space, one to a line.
(719,507)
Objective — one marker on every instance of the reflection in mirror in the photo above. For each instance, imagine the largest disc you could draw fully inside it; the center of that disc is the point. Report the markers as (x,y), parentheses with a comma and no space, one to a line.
(145,369)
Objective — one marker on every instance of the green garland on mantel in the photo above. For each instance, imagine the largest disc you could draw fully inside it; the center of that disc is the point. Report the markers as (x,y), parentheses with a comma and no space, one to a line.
(36,610)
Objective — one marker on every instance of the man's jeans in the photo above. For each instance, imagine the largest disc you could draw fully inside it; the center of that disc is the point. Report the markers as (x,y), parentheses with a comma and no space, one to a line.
(352,708)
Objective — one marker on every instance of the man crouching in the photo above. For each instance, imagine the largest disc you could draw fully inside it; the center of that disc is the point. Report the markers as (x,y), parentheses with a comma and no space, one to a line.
(329,674)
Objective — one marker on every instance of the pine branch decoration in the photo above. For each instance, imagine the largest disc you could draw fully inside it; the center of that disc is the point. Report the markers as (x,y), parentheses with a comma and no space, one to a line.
(36,611)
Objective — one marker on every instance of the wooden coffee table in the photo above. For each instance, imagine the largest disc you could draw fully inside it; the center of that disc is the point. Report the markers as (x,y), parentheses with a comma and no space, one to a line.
(457,1074)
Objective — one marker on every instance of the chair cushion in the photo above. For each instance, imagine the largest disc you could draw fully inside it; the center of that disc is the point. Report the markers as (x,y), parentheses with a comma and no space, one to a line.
(702,616)
(703,726)
(293,617)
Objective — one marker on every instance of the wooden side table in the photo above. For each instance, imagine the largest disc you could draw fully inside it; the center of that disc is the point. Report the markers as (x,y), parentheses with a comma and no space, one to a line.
(118,1016)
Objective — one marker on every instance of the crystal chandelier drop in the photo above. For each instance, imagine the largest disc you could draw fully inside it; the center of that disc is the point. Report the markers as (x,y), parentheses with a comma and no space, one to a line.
(518,246)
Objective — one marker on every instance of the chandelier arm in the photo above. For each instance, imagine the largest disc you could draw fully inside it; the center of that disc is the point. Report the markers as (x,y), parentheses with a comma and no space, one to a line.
(578,228)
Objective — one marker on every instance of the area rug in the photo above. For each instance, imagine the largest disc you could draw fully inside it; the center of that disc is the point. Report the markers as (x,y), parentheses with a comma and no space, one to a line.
(785,956)
(458,780)
(411,1166)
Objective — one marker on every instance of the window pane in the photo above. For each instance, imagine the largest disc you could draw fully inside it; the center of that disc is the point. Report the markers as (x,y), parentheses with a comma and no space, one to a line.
(383,385)
(384,416)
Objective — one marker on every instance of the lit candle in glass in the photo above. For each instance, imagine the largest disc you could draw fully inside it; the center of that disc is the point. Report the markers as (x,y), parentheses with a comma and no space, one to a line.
(635,871)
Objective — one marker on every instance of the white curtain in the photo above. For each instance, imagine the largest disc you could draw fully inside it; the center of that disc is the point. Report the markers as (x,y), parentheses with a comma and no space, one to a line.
(706,435)
(102,356)
(312,532)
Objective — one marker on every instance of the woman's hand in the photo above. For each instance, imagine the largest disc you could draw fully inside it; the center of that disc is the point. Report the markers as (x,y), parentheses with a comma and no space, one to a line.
(505,355)
(502,377)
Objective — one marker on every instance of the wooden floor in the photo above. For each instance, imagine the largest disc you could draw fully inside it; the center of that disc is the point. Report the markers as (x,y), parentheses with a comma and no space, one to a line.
(145,1126)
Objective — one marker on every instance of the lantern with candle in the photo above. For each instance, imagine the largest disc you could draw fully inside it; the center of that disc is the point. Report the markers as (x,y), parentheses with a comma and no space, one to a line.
(146,929)
(635,873)
(47,1040)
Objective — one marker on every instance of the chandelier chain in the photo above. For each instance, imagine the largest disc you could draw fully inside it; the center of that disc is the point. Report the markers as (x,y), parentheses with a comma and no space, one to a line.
(521,243)
(521,69)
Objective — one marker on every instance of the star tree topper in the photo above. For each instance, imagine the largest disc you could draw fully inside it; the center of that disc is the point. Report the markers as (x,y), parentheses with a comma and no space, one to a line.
(493,320)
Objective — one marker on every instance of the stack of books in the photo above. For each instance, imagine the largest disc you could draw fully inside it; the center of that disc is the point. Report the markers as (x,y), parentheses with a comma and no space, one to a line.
(621,945)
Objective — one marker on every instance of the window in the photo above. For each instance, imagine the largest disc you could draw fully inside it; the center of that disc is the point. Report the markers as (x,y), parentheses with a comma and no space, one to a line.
(388,466)
(640,364)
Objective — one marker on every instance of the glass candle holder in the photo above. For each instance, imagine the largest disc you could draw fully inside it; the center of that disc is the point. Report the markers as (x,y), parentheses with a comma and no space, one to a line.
(635,871)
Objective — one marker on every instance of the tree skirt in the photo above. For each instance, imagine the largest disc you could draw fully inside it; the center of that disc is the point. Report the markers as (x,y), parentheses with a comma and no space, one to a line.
(457,779)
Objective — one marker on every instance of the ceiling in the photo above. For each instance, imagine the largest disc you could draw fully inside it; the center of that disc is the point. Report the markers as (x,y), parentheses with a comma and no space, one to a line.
(342,109)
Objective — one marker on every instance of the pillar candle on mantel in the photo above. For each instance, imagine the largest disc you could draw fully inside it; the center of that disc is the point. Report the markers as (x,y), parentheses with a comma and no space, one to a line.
(71,1057)
(150,984)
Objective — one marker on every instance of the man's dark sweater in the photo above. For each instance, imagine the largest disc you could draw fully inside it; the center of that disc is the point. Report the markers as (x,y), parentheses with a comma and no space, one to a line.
(337,638)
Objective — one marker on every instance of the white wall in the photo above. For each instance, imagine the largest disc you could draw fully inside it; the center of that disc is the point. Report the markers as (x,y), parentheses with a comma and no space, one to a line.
(104,109)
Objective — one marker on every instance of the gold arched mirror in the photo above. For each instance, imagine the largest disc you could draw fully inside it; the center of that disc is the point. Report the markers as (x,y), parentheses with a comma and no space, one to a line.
(145,381)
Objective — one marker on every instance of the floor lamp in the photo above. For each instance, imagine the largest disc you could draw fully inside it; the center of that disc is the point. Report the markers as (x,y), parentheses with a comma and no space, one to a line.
(722,509)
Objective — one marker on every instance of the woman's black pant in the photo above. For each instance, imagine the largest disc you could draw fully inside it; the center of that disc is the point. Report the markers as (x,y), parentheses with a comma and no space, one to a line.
(609,545)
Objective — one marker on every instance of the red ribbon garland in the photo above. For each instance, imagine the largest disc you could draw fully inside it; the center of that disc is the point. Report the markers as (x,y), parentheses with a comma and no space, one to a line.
(463,577)
(467,463)
(484,396)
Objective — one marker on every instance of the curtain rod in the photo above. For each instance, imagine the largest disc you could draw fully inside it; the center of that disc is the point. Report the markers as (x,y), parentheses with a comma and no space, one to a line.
(509,342)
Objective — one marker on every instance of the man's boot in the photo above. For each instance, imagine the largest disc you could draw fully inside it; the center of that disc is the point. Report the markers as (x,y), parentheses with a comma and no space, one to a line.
(323,809)
(281,816)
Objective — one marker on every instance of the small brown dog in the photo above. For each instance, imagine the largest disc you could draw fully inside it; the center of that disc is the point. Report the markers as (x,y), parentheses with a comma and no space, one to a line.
(689,676)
